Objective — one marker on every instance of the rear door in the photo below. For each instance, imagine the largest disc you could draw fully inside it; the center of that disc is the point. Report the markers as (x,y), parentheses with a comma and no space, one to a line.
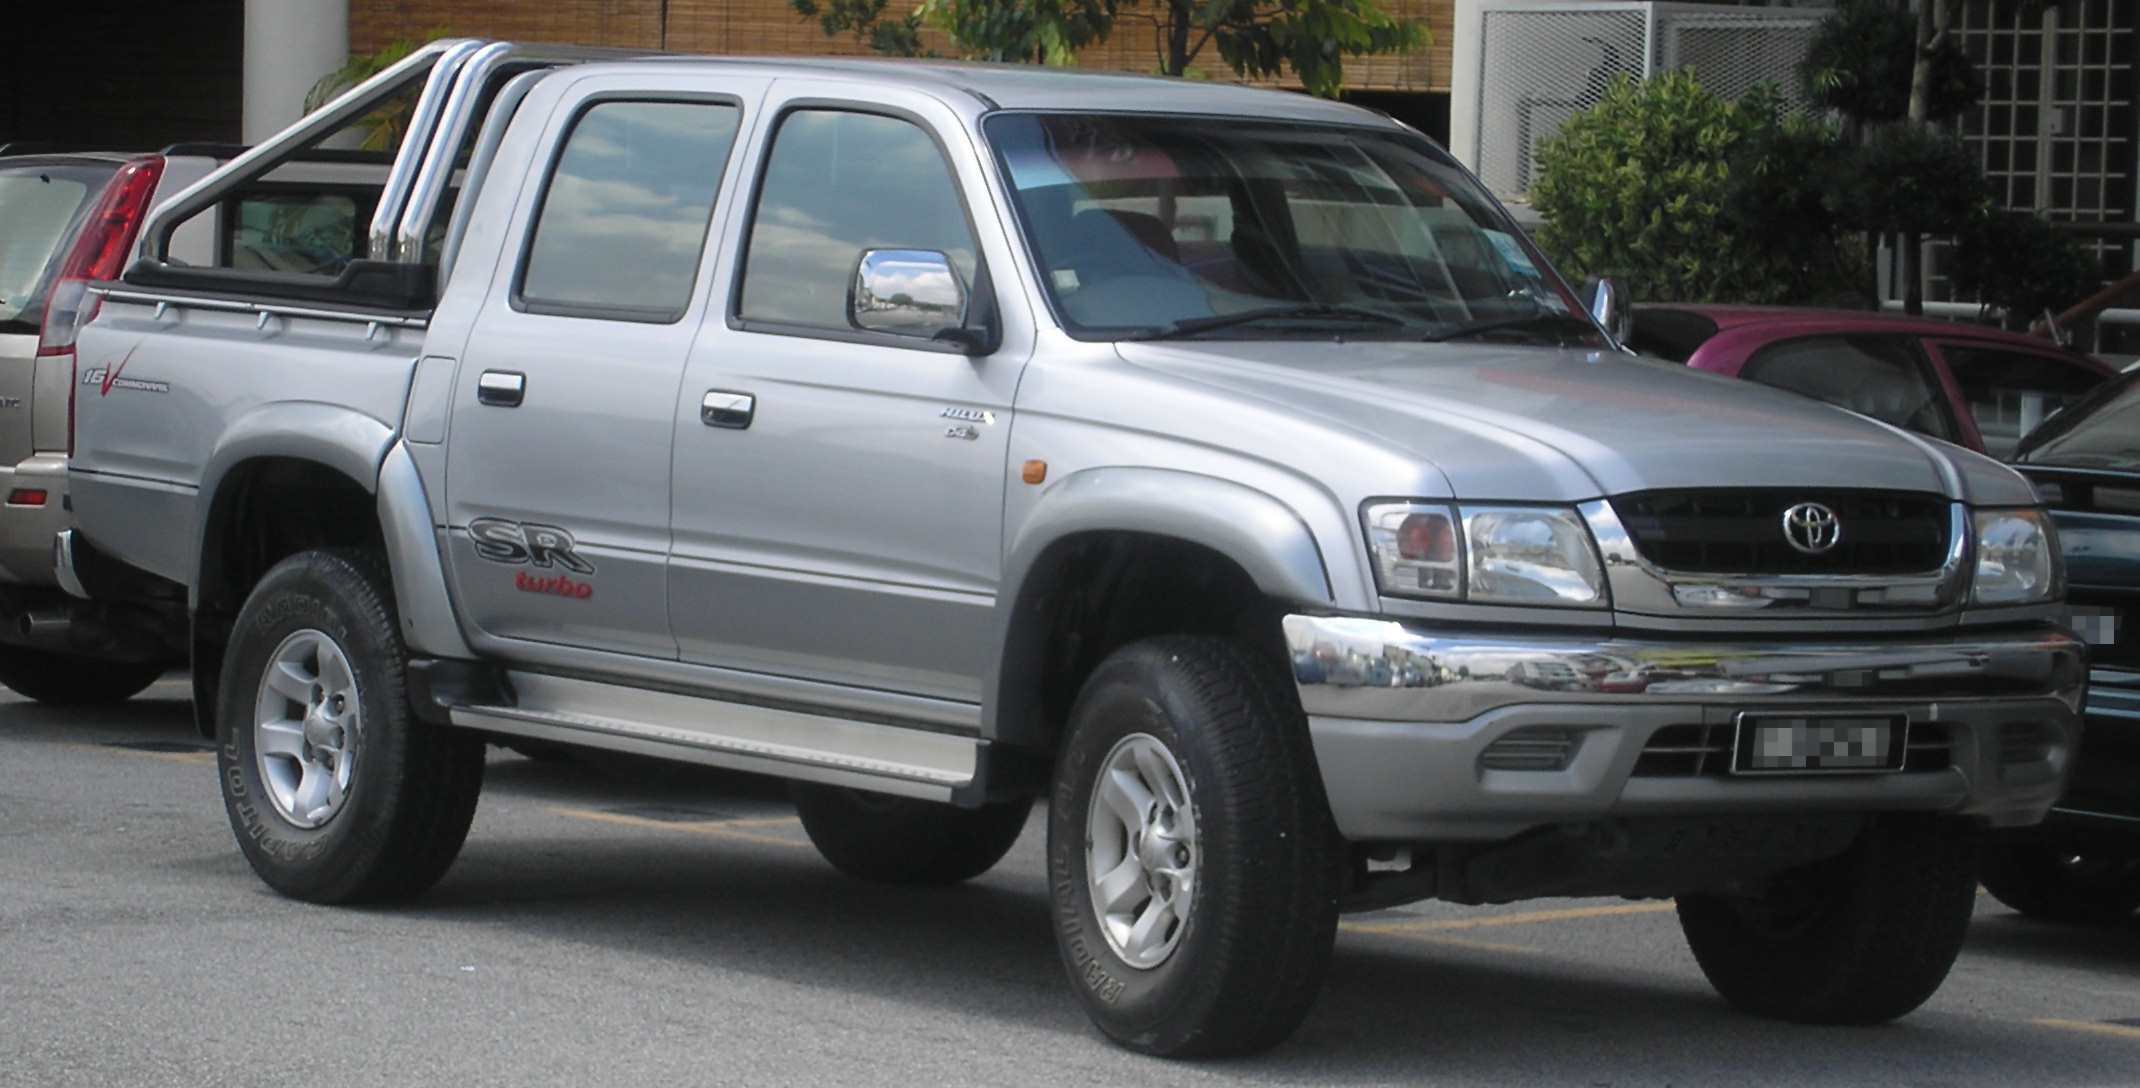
(559,451)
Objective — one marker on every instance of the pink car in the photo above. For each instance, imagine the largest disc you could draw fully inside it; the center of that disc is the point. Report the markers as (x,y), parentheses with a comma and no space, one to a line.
(1973,386)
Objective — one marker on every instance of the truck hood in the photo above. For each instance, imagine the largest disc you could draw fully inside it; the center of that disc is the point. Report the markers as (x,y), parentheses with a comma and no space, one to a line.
(1522,423)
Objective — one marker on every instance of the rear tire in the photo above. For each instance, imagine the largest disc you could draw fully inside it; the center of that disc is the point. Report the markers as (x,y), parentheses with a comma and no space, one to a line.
(900,840)
(2060,881)
(1192,860)
(71,679)
(1860,938)
(337,793)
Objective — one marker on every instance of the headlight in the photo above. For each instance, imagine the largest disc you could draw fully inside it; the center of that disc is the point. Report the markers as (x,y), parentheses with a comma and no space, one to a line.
(1528,555)
(1504,554)
(2017,558)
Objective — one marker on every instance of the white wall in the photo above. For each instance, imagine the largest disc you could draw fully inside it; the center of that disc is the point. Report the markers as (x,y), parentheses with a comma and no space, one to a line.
(289,45)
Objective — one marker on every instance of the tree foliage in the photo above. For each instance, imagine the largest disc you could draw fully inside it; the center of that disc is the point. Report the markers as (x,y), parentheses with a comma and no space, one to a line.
(1044,31)
(1909,179)
(1309,38)
(1673,189)
(1862,59)
(382,128)
(2021,263)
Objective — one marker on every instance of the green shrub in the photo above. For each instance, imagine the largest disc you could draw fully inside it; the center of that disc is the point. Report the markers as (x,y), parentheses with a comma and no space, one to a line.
(1661,183)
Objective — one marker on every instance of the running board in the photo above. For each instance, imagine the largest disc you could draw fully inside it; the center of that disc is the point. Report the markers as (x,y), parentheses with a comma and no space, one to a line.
(786,743)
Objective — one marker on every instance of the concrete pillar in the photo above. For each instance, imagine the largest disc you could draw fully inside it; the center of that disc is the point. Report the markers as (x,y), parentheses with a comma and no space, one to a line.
(289,45)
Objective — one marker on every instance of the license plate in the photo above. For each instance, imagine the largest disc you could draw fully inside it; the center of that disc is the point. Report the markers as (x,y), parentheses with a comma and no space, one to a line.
(2095,626)
(1820,743)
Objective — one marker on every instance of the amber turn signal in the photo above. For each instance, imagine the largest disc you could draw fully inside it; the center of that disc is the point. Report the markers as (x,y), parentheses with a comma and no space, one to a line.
(1035,471)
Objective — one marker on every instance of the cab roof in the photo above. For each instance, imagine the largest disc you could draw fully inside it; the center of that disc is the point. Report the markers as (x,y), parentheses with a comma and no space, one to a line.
(1038,87)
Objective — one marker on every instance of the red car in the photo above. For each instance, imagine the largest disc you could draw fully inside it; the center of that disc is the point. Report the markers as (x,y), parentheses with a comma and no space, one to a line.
(1973,386)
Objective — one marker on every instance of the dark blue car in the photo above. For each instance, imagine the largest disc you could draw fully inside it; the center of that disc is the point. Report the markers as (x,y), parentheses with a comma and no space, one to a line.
(2083,864)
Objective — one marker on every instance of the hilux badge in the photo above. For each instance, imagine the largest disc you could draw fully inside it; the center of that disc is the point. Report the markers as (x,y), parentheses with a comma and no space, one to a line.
(1811,528)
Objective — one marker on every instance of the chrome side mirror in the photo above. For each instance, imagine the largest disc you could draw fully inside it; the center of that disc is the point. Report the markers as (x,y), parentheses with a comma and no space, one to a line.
(907,292)
(1607,301)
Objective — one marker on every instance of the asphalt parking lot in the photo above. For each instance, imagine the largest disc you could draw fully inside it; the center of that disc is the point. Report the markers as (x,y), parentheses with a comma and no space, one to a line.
(635,923)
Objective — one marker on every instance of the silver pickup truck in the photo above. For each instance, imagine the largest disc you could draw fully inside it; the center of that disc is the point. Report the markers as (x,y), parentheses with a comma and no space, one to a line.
(1221,465)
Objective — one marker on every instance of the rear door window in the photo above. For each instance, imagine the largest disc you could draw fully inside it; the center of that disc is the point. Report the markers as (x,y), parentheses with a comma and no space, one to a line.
(2009,392)
(39,205)
(1885,377)
(624,219)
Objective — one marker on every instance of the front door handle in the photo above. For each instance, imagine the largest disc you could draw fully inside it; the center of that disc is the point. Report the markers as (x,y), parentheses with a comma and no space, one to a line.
(501,388)
(727,408)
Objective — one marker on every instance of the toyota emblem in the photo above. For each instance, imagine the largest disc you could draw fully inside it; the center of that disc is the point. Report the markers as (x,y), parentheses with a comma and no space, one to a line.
(1811,528)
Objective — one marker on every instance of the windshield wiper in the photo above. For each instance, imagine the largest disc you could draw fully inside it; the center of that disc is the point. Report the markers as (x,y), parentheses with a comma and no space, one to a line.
(1540,322)
(1315,311)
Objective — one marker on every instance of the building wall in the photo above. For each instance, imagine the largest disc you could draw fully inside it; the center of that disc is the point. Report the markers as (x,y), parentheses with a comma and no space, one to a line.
(122,74)
(772,27)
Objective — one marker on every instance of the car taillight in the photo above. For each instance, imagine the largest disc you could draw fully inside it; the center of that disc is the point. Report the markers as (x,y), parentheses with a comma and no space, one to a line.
(99,253)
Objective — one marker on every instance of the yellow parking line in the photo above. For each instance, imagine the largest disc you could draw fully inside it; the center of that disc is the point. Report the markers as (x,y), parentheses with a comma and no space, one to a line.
(1396,929)
(722,828)
(198,759)
(2118,1030)
(1454,942)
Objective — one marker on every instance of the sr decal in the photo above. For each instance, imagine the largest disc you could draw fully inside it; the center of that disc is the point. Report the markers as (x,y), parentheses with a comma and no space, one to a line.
(514,543)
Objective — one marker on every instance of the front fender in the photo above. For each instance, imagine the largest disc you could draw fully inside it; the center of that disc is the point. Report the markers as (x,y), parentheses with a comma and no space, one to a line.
(1268,540)
(1255,530)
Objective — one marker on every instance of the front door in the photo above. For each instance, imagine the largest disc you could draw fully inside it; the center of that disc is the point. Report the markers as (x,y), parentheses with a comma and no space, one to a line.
(839,494)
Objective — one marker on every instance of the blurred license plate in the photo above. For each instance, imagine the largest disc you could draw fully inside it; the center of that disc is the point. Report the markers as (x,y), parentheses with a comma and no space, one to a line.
(1820,743)
(2095,626)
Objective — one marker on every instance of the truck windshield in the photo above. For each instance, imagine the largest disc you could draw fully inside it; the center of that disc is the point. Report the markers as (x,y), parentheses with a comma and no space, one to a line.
(1148,227)
(2102,431)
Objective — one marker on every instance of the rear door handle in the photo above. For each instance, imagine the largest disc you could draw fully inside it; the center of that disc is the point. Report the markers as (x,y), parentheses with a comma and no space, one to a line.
(727,408)
(501,388)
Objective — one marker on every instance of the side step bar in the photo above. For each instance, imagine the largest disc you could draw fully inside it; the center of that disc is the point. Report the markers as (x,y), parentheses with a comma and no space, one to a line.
(739,736)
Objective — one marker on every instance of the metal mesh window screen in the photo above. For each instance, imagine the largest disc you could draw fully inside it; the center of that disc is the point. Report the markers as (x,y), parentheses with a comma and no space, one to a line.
(1539,68)
(1731,58)
(1540,64)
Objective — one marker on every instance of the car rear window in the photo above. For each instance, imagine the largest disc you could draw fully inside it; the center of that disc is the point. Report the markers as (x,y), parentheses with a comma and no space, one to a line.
(1880,376)
(39,204)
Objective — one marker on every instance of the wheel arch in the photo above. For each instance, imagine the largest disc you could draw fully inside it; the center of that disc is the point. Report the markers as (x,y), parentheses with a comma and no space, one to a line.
(283,479)
(1111,556)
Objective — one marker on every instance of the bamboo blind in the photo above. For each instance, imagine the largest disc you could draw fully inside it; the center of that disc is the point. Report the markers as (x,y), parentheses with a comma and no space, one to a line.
(770,27)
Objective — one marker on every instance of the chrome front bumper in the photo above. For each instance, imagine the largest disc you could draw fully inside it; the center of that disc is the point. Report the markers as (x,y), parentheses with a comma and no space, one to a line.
(1415,729)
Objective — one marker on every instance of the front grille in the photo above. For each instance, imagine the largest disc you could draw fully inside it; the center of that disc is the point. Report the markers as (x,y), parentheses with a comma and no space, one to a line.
(1704,751)
(1741,531)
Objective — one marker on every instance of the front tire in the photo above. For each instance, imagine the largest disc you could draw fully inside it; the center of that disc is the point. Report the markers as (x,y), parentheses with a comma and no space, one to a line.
(1192,861)
(337,793)
(2061,881)
(900,840)
(71,679)
(1860,938)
